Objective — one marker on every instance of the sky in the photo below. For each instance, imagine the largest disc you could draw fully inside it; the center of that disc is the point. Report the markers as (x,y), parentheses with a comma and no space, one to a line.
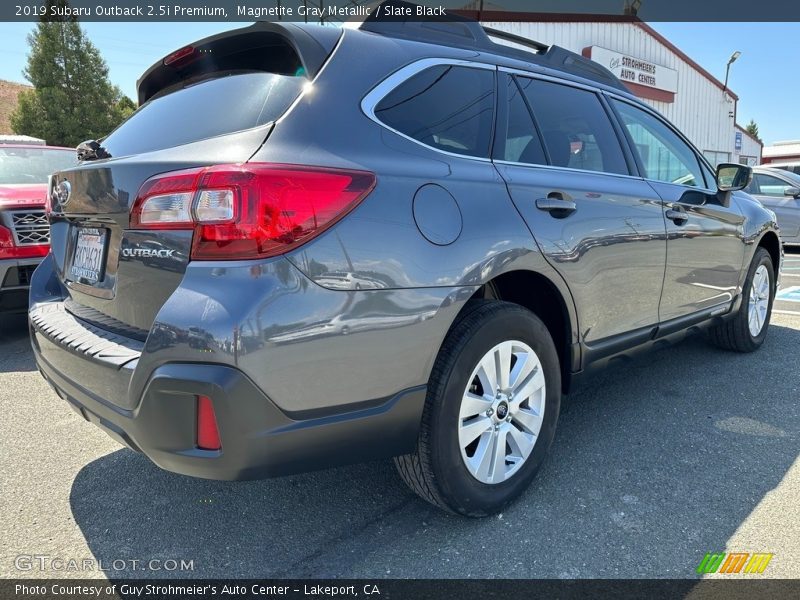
(767,91)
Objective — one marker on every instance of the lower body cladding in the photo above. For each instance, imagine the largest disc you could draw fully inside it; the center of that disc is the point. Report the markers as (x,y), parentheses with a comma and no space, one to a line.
(15,275)
(147,394)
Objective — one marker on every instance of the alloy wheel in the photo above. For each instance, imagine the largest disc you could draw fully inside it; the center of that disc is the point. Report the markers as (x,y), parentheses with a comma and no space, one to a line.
(759,300)
(501,412)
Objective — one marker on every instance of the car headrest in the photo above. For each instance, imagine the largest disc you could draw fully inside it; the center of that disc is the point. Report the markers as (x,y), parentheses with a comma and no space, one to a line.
(558,146)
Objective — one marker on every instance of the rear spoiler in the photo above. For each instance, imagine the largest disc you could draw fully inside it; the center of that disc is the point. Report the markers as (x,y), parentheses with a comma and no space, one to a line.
(226,51)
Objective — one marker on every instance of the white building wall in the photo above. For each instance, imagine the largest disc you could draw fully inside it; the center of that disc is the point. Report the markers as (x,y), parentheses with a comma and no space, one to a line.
(700,109)
(750,153)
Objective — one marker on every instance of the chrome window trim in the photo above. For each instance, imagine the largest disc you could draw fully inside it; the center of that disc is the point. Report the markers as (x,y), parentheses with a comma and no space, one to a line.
(568,169)
(552,79)
(403,74)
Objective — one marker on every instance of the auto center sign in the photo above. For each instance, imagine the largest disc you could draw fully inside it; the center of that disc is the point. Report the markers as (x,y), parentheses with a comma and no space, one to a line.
(632,70)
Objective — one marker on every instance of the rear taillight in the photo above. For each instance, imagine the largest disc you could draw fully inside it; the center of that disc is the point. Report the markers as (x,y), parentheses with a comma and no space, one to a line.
(253,210)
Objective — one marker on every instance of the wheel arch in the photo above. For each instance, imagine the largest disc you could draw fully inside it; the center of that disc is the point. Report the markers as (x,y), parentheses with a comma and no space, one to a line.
(542,296)
(772,244)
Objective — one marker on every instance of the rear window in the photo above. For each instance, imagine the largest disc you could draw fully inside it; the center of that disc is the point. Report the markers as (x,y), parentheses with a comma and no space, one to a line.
(204,110)
(33,165)
(446,107)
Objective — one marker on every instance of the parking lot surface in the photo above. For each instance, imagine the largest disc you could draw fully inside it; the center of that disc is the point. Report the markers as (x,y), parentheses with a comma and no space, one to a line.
(685,451)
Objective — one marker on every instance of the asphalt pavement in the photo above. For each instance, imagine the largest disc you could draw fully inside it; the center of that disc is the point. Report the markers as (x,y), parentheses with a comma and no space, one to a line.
(685,451)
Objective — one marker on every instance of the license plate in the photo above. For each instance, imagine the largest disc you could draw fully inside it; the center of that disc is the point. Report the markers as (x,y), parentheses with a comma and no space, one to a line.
(89,257)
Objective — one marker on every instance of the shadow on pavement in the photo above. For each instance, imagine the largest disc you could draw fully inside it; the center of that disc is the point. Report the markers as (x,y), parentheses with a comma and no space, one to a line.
(15,348)
(653,466)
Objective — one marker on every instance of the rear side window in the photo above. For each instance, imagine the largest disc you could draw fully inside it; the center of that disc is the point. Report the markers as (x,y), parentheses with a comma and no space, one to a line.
(522,142)
(446,107)
(204,110)
(575,127)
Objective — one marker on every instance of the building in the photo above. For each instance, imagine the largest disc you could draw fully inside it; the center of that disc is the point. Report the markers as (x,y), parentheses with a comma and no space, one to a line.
(747,150)
(656,71)
(780,152)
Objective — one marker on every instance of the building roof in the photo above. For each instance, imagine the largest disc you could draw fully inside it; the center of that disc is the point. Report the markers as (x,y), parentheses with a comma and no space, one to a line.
(547,17)
(684,57)
(781,149)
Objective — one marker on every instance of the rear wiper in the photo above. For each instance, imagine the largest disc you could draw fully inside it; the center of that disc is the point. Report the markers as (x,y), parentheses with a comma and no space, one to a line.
(91,150)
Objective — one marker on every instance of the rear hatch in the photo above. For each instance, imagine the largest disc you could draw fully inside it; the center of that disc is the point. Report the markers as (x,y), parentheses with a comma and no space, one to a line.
(214,102)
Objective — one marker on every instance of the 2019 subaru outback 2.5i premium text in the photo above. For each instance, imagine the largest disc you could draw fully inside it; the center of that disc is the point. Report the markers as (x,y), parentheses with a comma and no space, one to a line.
(312,246)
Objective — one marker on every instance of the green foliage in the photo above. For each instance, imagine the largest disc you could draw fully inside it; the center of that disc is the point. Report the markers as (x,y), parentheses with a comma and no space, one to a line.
(752,129)
(73,99)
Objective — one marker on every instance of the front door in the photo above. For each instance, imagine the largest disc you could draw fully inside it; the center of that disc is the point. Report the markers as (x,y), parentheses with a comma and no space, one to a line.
(704,239)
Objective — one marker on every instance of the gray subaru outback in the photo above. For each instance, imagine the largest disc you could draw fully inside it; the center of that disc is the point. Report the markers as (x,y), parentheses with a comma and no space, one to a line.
(311,246)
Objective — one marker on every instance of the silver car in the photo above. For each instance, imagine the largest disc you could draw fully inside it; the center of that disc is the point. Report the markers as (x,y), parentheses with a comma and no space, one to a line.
(779,190)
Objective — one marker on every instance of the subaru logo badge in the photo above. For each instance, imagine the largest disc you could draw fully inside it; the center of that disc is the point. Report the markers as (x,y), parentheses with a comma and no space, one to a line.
(61,193)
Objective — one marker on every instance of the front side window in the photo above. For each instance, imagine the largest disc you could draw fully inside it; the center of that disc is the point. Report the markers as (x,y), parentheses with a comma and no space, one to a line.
(767,185)
(664,155)
(447,107)
(576,129)
(716,158)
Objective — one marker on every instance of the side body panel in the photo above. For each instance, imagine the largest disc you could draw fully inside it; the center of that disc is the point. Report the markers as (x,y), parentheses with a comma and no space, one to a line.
(704,253)
(787,210)
(611,250)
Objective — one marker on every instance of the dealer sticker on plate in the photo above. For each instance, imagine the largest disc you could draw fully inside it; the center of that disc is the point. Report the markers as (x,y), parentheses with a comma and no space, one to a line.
(87,263)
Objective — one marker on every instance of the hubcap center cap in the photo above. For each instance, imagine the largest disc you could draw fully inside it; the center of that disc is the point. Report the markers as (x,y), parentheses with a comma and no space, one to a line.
(502,410)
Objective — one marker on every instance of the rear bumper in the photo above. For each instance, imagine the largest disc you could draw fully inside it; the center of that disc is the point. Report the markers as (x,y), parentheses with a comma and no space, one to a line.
(300,377)
(14,283)
(258,439)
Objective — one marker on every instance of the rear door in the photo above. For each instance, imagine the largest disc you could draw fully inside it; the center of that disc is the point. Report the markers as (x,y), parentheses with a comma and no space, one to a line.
(705,250)
(601,228)
(771,191)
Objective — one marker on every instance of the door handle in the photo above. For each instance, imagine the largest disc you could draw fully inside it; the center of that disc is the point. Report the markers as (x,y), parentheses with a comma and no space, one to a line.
(558,207)
(679,217)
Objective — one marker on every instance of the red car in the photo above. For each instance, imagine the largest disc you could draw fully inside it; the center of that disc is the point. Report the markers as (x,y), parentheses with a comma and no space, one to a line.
(24,230)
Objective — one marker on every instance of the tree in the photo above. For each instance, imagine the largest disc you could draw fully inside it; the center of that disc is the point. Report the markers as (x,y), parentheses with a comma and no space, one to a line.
(72,99)
(752,129)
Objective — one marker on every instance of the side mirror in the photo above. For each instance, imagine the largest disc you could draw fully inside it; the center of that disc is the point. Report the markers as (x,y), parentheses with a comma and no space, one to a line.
(792,192)
(732,177)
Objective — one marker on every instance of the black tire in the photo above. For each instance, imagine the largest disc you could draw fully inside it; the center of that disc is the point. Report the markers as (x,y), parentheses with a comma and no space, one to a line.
(436,471)
(734,332)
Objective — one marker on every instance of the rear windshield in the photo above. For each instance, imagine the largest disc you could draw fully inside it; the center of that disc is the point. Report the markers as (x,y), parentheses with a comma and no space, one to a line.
(33,165)
(204,110)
